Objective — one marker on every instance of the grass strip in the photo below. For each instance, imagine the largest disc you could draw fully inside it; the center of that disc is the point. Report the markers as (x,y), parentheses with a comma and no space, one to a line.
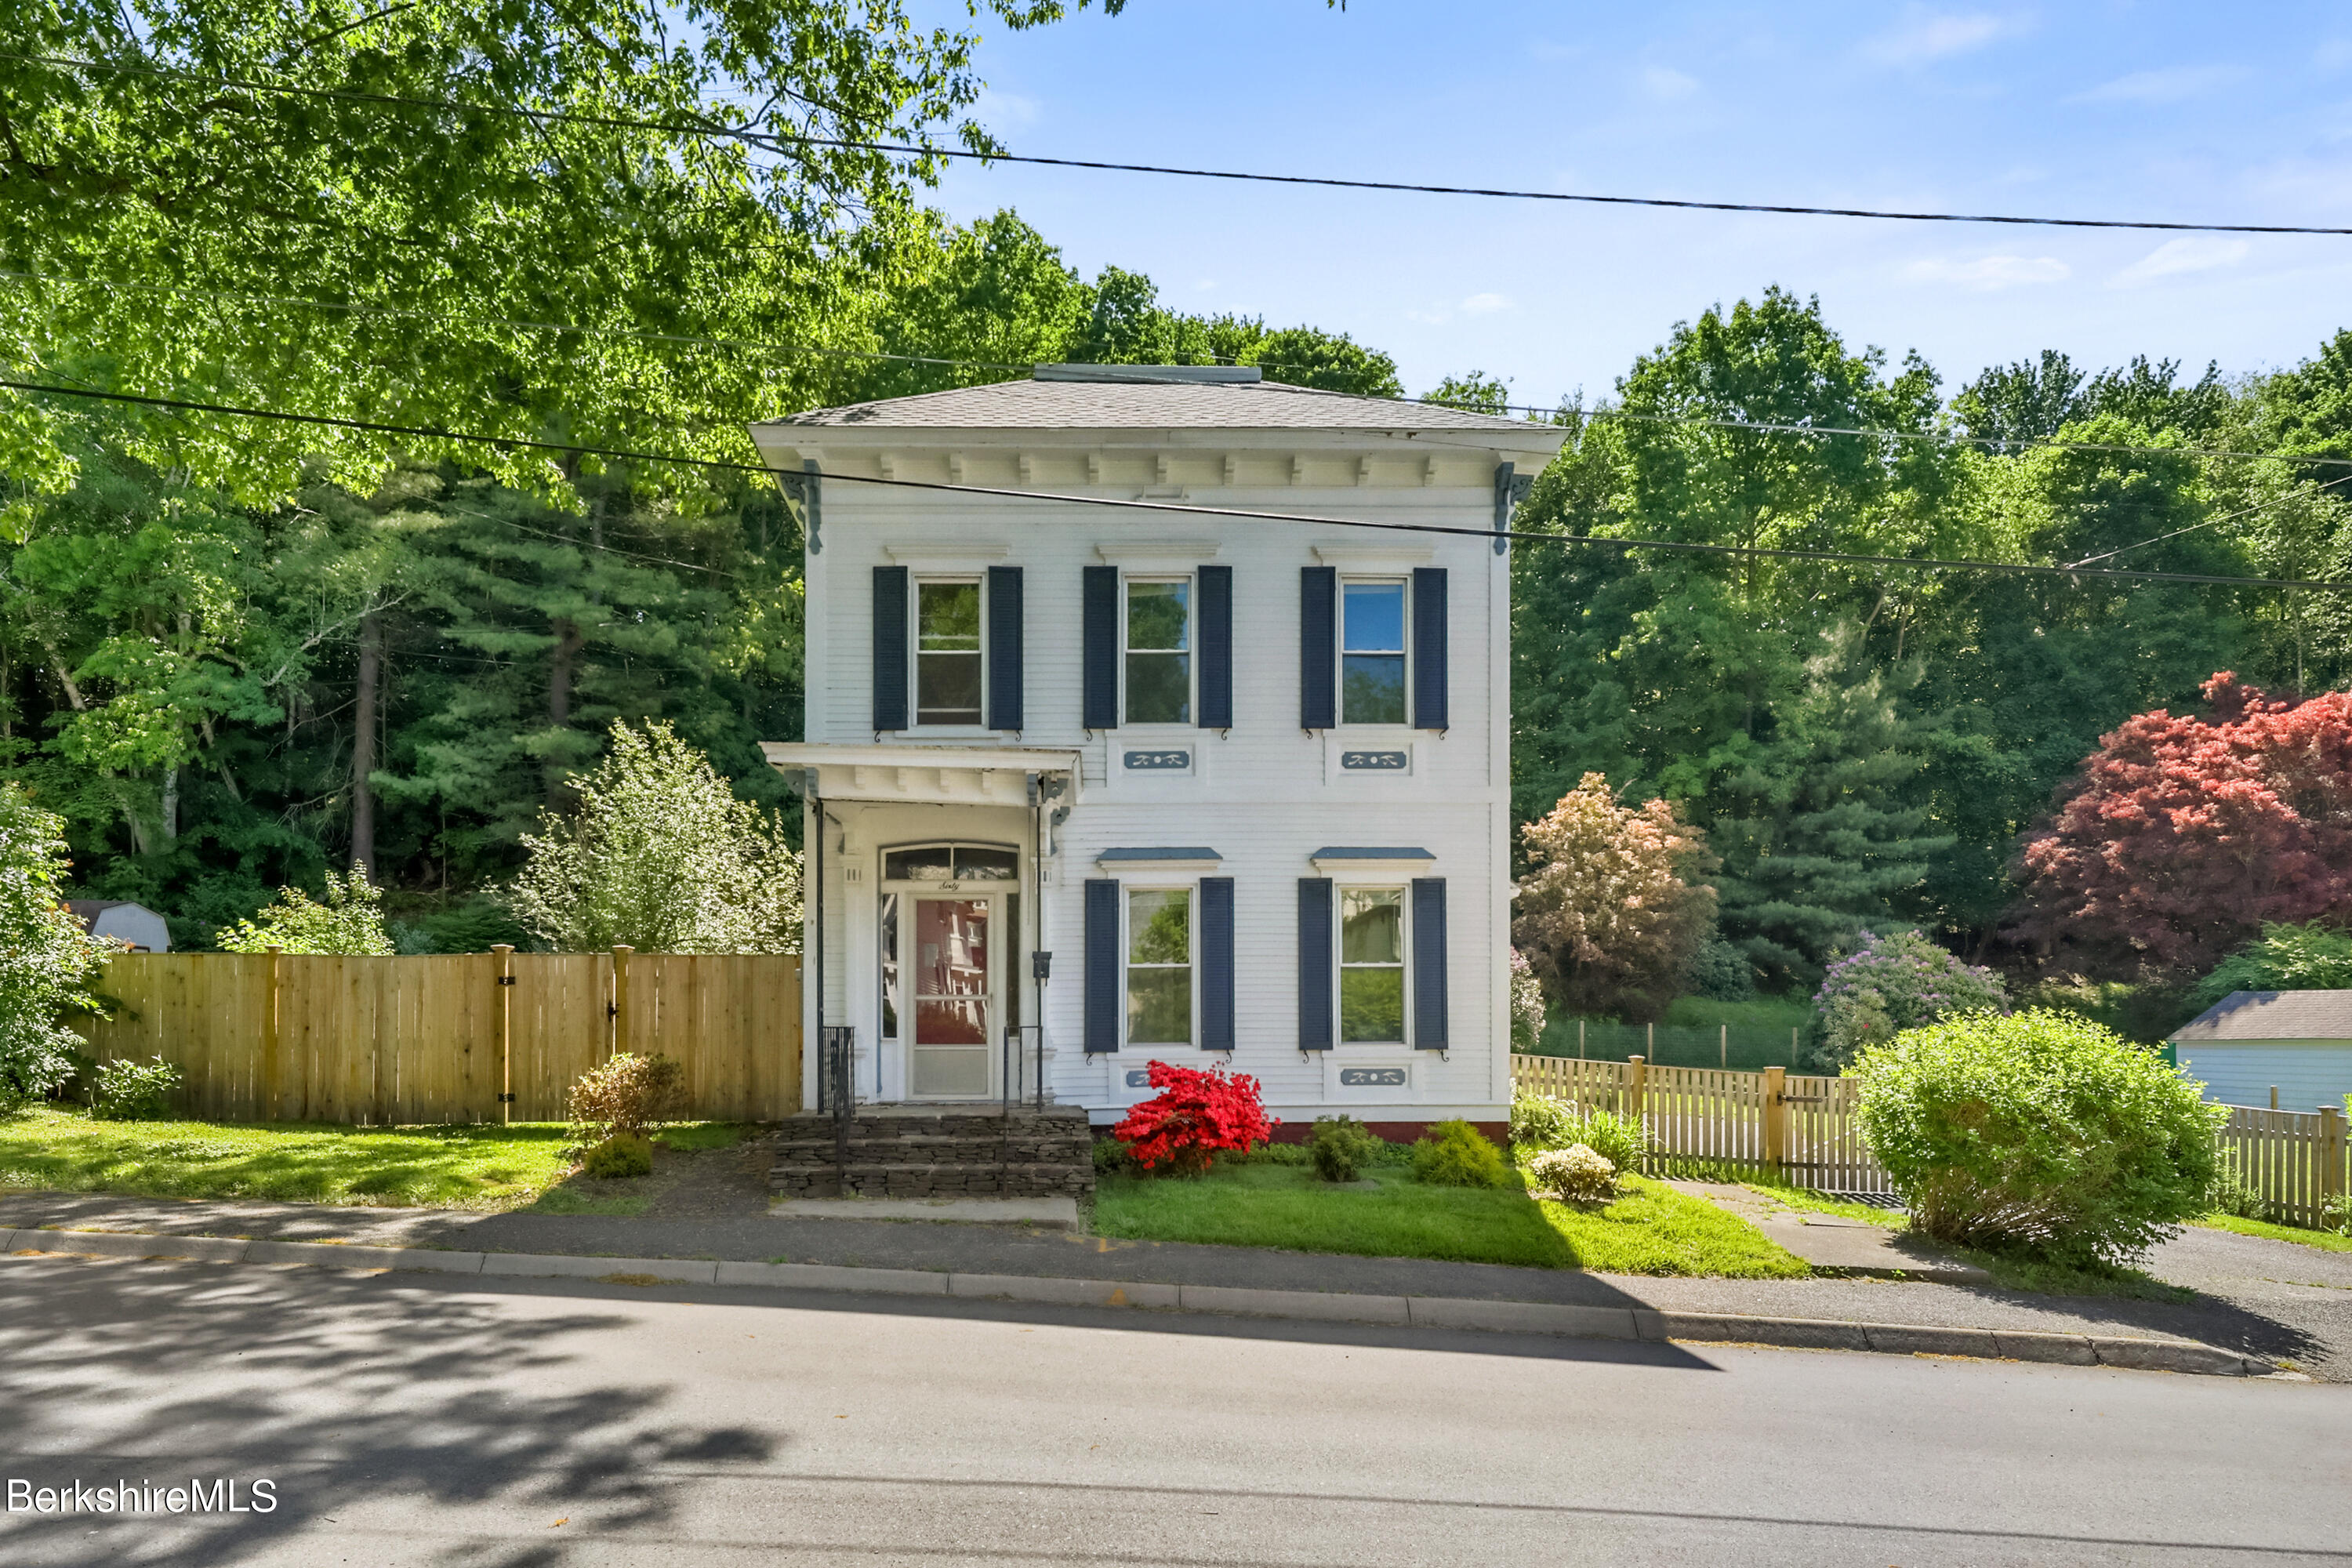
(483,1167)
(2325,1241)
(1649,1229)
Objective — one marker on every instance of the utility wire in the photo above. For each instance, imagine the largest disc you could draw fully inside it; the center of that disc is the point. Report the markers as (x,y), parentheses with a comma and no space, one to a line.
(2225,517)
(779,141)
(1110,372)
(1188,508)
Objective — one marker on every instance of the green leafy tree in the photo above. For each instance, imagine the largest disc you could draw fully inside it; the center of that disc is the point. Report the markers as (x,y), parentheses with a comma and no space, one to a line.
(47,959)
(659,855)
(349,920)
(2313,955)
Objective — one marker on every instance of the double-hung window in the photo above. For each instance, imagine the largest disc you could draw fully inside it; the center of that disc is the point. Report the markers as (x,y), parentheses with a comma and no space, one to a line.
(1372,652)
(1159,966)
(1159,652)
(1372,966)
(948,655)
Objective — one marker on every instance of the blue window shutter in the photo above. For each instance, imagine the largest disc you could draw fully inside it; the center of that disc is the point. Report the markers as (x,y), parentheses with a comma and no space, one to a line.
(1217,963)
(1429,1009)
(1004,647)
(1429,648)
(889,648)
(1318,647)
(1099,699)
(1216,644)
(1315,981)
(1103,980)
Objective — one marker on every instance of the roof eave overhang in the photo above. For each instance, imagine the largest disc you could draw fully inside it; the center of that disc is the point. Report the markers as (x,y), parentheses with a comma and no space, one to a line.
(929,775)
(785,445)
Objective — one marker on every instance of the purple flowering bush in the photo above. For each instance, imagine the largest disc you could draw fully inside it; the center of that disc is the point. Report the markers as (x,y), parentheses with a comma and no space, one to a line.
(1887,985)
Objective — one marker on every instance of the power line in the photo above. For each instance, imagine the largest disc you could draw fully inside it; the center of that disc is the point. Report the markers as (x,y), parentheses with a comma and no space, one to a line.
(1188,508)
(778,140)
(1111,372)
(2225,517)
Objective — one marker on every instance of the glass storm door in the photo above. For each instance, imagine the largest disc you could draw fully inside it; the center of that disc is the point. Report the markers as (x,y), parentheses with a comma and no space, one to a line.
(948,956)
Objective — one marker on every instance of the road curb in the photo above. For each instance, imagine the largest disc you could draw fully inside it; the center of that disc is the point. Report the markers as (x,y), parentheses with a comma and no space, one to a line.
(1558,1319)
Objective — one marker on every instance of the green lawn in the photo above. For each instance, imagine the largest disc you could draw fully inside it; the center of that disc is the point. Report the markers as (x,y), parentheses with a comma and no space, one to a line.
(1650,1229)
(480,1167)
(2326,1240)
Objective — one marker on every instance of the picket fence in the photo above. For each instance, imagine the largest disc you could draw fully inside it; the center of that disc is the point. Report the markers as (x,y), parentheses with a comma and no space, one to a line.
(466,1038)
(1802,1129)
(1798,1129)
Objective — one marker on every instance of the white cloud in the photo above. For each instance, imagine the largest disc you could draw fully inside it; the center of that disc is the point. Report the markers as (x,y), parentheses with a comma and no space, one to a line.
(1667,86)
(2175,84)
(1987,273)
(1484,304)
(1009,108)
(1923,36)
(2177,256)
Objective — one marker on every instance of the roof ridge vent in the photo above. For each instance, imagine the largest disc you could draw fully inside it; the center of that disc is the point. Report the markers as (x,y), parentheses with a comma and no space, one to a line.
(1200,375)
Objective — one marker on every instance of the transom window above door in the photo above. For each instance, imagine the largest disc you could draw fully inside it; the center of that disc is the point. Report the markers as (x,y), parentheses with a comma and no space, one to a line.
(948,684)
(951,863)
(1159,652)
(1371,653)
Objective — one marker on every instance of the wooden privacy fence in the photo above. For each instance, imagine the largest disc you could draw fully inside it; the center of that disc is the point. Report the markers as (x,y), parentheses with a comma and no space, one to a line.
(305,1037)
(2294,1159)
(1774,1122)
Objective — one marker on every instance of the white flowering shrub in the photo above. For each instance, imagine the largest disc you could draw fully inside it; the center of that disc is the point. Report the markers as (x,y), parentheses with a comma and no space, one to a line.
(1577,1173)
(1526,1004)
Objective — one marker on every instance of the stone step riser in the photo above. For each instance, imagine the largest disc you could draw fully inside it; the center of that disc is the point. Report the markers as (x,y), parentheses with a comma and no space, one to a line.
(933,1153)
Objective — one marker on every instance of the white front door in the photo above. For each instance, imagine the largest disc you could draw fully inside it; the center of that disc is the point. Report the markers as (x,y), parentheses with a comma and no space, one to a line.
(950,954)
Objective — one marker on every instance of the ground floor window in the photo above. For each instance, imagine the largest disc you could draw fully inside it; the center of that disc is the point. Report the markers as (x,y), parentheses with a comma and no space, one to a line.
(1159,966)
(1372,966)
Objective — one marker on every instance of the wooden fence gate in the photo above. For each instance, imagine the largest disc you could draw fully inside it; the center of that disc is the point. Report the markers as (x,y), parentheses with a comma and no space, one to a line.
(306,1037)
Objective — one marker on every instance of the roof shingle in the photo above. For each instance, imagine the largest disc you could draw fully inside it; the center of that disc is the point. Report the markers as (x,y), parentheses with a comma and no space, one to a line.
(2273,1016)
(1148,404)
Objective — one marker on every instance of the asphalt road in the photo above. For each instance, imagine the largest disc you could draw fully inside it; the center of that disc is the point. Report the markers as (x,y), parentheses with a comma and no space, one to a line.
(404,1421)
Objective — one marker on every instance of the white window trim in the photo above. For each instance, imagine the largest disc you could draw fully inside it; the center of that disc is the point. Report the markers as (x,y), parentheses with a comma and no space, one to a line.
(1192,951)
(1340,635)
(915,582)
(1340,965)
(1191,651)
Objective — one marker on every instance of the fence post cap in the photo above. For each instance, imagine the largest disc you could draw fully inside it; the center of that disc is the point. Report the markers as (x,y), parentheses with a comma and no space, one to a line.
(501,947)
(623,947)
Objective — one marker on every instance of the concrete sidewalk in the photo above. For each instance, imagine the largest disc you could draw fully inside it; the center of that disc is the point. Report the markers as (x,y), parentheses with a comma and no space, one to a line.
(2292,1309)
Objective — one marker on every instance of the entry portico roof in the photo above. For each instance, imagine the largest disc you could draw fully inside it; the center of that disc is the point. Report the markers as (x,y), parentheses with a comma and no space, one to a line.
(929,775)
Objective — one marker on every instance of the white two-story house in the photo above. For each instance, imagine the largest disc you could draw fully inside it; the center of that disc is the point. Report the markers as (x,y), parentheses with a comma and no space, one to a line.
(1090,784)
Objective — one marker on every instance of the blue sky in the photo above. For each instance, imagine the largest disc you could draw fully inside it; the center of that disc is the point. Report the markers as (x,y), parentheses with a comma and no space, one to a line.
(2176,111)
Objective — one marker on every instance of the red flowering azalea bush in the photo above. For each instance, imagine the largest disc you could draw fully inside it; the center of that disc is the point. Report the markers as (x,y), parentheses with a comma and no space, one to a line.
(1194,1114)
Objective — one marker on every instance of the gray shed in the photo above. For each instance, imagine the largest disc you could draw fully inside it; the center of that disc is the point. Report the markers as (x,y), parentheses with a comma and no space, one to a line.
(136,924)
(2250,1042)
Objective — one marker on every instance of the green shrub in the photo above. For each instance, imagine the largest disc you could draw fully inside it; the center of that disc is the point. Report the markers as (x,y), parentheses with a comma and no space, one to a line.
(2230,1195)
(2313,956)
(134,1091)
(623,1154)
(1341,1147)
(1886,985)
(1540,1122)
(1456,1155)
(2039,1133)
(1112,1158)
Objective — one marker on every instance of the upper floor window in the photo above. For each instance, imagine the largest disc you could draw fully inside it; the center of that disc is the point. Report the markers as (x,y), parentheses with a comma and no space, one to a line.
(1372,966)
(1371,653)
(1158,652)
(948,683)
